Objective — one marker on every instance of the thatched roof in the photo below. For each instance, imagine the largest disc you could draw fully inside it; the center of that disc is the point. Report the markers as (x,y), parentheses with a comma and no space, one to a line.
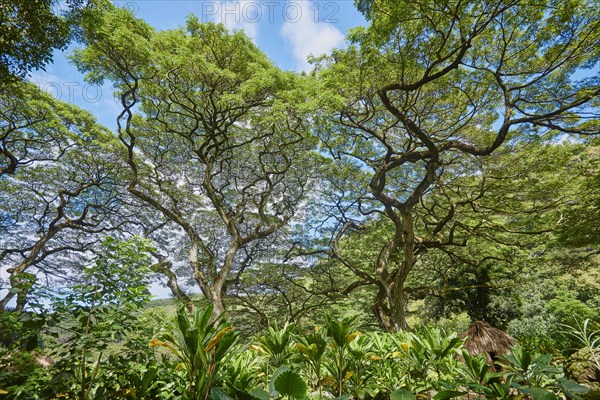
(482,338)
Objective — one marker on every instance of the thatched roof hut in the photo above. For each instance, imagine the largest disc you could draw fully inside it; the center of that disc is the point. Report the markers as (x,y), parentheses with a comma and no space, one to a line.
(482,338)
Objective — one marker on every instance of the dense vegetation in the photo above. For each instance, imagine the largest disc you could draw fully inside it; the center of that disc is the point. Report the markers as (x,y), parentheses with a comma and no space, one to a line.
(327,234)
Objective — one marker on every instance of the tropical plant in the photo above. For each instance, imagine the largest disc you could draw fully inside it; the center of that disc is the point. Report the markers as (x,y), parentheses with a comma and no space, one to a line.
(200,346)
(342,332)
(358,378)
(277,345)
(288,384)
(587,338)
(479,378)
(241,372)
(388,367)
(431,359)
(535,374)
(524,374)
(313,347)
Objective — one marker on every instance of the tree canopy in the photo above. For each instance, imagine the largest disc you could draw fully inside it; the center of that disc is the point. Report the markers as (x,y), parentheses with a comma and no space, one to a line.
(219,146)
(439,158)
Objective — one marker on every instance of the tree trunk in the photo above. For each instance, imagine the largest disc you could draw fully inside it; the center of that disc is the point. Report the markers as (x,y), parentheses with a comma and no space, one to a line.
(5,300)
(391,302)
(16,283)
(398,308)
(215,297)
(381,311)
(390,308)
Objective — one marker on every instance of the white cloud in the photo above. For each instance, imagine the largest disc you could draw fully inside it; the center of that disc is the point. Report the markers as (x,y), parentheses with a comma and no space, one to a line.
(307,35)
(237,15)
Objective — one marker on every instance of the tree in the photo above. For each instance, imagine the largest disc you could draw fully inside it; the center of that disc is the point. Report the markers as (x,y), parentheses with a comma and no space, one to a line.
(59,187)
(580,227)
(214,136)
(31,31)
(426,95)
(36,128)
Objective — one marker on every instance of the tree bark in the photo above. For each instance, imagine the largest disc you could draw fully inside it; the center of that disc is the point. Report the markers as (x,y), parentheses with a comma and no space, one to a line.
(389,307)
(391,301)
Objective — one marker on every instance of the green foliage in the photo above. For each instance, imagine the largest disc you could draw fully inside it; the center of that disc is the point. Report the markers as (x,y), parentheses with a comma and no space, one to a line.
(531,374)
(20,331)
(580,228)
(241,371)
(204,363)
(92,316)
(429,113)
(290,384)
(199,345)
(342,332)
(438,149)
(567,310)
(30,31)
(232,125)
(431,359)
(21,375)
(386,368)
(313,347)
(402,394)
(542,326)
(527,368)
(587,338)
(278,344)
(20,340)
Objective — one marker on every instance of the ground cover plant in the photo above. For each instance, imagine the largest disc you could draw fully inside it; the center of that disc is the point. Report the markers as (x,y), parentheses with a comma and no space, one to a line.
(196,358)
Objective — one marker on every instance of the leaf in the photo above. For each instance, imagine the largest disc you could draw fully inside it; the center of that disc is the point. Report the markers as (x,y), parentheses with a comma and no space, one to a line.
(352,336)
(257,349)
(260,394)
(536,393)
(130,392)
(157,342)
(572,389)
(448,394)
(402,394)
(218,394)
(276,374)
(180,366)
(148,377)
(215,340)
(290,383)
(224,345)
(348,375)
(453,344)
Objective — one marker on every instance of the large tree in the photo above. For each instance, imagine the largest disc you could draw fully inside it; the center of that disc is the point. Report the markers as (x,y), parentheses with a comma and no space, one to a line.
(59,187)
(214,136)
(427,94)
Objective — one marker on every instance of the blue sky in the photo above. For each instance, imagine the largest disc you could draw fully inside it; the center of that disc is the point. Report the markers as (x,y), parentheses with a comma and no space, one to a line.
(286,30)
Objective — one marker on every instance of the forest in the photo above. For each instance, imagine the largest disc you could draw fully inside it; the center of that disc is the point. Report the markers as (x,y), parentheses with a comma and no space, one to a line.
(415,218)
